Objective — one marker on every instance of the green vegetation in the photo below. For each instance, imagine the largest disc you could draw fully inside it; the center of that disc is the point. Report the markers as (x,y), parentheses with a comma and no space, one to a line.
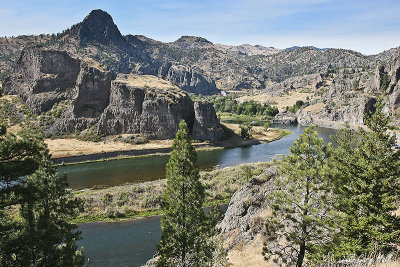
(385,81)
(228,104)
(300,209)
(132,139)
(245,131)
(296,107)
(367,187)
(187,232)
(339,202)
(356,85)
(39,233)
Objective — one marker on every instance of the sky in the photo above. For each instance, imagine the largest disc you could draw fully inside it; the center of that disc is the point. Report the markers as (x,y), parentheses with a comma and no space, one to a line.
(368,26)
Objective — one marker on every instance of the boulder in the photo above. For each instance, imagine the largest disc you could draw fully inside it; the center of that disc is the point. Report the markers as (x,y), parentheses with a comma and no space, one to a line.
(248,209)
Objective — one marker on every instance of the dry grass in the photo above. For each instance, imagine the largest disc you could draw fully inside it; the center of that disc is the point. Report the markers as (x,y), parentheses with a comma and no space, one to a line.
(60,148)
(73,147)
(248,255)
(281,102)
(314,109)
(143,81)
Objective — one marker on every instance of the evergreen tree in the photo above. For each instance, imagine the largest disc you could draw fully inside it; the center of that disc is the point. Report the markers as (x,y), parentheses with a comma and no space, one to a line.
(368,188)
(19,156)
(40,235)
(48,238)
(301,208)
(186,230)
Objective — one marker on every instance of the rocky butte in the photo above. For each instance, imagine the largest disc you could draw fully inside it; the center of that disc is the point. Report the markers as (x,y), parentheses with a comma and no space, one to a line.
(86,97)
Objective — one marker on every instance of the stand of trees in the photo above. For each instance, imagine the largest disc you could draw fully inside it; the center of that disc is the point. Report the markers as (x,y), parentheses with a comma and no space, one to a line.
(250,108)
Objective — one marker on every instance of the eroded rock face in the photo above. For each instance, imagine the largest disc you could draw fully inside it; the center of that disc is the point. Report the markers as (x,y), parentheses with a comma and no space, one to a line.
(248,209)
(311,81)
(184,77)
(86,97)
(285,117)
(42,77)
(92,92)
(206,124)
(151,107)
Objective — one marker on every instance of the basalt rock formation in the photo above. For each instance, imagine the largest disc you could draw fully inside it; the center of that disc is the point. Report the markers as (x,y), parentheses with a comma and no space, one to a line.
(81,96)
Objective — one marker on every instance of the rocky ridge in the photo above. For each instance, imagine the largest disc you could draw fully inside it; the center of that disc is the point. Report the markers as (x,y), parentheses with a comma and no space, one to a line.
(81,96)
(339,96)
(193,63)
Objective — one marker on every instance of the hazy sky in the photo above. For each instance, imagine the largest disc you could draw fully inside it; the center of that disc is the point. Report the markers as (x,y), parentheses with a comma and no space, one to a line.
(368,26)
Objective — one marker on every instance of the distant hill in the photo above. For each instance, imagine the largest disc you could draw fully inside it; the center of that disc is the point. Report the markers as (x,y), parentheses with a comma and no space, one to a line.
(192,63)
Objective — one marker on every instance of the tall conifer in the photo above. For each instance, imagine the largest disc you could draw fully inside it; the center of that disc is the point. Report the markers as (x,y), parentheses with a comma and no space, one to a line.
(186,231)
(301,217)
(368,188)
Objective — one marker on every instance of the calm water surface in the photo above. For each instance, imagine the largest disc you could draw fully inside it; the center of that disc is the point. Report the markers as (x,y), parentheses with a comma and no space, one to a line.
(116,172)
(132,243)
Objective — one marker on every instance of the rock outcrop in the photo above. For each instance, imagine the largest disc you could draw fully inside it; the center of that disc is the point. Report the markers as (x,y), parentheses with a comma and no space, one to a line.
(147,105)
(206,124)
(247,210)
(184,77)
(42,77)
(285,117)
(87,98)
(312,82)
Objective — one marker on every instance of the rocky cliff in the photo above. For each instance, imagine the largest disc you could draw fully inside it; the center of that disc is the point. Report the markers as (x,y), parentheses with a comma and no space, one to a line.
(76,95)
(349,94)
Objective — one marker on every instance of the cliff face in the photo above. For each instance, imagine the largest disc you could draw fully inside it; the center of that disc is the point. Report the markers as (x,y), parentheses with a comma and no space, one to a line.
(87,98)
(42,77)
(146,105)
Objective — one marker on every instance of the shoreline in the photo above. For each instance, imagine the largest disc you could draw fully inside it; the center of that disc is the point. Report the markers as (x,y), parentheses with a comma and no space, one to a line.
(142,200)
(139,215)
(153,152)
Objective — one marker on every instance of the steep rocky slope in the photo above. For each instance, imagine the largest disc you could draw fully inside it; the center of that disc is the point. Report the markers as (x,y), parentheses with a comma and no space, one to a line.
(192,63)
(77,95)
(338,96)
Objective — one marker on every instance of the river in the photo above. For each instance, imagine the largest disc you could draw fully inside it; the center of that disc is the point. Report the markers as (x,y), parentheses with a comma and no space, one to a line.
(132,243)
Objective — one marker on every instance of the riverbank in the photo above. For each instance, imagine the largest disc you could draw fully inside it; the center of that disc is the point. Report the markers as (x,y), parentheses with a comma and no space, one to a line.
(73,151)
(144,199)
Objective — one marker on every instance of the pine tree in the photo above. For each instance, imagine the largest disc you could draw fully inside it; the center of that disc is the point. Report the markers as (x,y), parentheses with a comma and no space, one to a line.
(40,235)
(186,230)
(368,188)
(19,156)
(301,208)
(48,238)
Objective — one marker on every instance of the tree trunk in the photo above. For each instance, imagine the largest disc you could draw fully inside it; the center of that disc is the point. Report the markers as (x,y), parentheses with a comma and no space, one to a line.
(302,253)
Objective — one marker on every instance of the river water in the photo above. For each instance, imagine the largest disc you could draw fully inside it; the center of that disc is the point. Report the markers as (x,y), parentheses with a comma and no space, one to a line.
(116,172)
(132,243)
